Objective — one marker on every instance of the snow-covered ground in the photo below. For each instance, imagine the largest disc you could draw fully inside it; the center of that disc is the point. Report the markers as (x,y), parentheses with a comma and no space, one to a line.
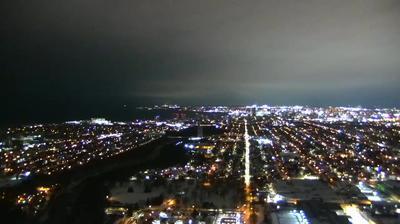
(193,193)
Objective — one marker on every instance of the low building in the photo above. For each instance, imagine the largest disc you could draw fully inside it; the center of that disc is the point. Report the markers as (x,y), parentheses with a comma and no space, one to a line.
(299,189)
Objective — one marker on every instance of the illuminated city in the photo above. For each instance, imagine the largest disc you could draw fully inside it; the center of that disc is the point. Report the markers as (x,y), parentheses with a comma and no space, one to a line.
(200,112)
(242,165)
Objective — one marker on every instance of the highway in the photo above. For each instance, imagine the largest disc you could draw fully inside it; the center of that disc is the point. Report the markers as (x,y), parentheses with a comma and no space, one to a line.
(247,155)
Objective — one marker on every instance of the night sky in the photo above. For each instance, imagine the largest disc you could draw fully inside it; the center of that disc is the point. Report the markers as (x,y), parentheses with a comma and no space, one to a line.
(86,57)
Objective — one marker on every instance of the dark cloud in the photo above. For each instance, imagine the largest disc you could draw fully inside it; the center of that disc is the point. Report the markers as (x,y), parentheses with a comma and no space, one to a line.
(201,52)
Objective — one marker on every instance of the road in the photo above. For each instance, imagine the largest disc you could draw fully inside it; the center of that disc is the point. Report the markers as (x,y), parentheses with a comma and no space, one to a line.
(247,155)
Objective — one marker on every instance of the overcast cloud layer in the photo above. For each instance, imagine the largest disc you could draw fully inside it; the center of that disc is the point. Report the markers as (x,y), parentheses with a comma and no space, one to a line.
(315,52)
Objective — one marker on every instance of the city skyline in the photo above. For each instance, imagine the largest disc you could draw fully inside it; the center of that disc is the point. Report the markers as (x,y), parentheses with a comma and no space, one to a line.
(200,112)
(207,165)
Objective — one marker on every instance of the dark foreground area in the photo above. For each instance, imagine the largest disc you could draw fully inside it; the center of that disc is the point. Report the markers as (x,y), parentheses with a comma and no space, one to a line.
(82,194)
